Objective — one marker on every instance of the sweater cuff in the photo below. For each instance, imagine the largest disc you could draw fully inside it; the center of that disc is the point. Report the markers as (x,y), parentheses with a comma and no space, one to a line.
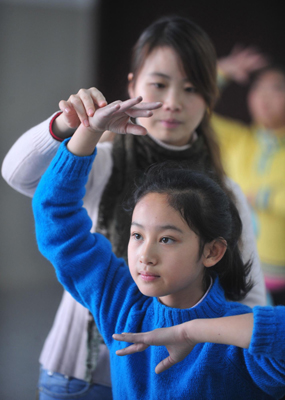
(268,331)
(69,166)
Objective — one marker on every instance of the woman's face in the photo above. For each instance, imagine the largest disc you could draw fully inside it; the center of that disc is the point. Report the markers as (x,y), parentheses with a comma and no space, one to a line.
(162,78)
(266,100)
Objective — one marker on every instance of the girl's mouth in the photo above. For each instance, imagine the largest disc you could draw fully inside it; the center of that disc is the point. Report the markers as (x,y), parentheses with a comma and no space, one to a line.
(170,123)
(148,277)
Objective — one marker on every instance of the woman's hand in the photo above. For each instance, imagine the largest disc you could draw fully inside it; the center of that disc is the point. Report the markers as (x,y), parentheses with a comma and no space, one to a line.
(180,339)
(241,62)
(76,110)
(174,339)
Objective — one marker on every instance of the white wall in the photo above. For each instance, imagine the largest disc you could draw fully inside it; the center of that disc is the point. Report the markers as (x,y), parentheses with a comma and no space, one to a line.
(47,52)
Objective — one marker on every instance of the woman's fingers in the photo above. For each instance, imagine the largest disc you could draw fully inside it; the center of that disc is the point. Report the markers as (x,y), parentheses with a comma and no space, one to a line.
(135,129)
(148,106)
(134,348)
(116,116)
(164,365)
(148,338)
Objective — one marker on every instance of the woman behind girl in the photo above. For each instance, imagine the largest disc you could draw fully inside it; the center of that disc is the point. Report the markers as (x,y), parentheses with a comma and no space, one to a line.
(183,261)
(173,63)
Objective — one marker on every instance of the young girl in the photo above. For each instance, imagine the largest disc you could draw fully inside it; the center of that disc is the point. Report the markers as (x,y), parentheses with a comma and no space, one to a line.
(254,156)
(173,63)
(183,260)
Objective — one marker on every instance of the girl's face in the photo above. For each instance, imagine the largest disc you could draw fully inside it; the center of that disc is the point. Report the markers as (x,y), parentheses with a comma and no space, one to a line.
(162,78)
(163,254)
(266,100)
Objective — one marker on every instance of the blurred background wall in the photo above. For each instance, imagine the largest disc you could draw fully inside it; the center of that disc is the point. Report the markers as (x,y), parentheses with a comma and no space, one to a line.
(48,50)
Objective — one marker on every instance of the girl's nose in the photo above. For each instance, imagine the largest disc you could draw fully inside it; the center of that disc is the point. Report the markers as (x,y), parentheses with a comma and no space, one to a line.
(148,256)
(172,101)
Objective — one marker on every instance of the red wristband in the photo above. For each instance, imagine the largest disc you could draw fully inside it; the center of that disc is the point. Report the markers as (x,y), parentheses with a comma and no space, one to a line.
(50,128)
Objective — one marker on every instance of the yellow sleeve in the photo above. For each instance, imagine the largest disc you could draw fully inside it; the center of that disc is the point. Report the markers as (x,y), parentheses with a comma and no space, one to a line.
(276,201)
(229,132)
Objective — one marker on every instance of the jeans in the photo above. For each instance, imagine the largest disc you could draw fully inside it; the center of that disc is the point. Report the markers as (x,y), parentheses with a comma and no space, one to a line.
(55,386)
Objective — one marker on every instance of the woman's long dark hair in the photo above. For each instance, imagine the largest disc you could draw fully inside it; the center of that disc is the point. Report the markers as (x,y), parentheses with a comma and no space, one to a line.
(209,212)
(198,58)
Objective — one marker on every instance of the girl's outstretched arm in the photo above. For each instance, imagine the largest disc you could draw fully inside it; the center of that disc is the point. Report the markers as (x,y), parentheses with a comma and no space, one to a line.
(241,62)
(83,261)
(181,339)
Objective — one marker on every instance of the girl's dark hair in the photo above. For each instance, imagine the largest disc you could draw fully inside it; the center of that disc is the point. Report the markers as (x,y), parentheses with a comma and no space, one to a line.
(279,68)
(209,212)
(198,58)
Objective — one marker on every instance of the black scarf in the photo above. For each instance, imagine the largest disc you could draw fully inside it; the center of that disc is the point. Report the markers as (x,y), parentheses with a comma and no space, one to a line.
(132,155)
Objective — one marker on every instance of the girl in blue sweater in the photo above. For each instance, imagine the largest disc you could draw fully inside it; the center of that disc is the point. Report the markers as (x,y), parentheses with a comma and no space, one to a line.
(184,262)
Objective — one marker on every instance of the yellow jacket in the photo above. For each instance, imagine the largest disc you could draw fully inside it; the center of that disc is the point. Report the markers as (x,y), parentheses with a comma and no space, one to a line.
(255,159)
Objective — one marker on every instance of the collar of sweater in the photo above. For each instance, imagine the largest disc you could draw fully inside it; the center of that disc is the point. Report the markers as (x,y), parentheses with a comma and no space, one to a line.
(194,137)
(273,138)
(213,305)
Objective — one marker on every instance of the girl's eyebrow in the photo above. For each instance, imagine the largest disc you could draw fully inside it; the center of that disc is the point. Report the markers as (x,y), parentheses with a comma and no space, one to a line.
(161,75)
(160,227)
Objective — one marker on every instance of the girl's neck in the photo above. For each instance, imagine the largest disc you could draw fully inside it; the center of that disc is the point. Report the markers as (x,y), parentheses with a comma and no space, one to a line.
(167,146)
(195,302)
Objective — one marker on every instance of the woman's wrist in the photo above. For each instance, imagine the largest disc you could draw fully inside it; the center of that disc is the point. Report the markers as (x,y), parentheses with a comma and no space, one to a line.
(233,330)
(60,129)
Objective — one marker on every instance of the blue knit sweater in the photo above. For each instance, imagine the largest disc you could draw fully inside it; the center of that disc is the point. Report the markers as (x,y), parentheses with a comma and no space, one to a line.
(88,269)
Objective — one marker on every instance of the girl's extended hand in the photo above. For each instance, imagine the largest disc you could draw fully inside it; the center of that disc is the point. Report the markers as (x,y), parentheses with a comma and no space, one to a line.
(241,62)
(173,338)
(80,106)
(76,110)
(115,117)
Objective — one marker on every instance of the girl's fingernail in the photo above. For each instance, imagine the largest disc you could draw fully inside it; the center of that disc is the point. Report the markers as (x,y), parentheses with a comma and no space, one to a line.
(85,122)
(90,112)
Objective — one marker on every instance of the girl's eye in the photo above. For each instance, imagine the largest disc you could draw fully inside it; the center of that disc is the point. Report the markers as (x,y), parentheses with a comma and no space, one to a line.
(136,236)
(158,85)
(166,240)
(190,89)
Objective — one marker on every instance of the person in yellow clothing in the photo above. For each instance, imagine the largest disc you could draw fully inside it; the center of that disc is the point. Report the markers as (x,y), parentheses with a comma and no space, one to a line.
(254,156)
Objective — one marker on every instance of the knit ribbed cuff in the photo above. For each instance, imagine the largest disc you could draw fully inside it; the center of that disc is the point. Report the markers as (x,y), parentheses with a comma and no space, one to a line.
(70,166)
(42,139)
(268,331)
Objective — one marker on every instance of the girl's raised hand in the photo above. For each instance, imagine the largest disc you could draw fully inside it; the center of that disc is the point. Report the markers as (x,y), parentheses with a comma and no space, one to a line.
(115,117)
(241,62)
(173,338)
(80,106)
(76,110)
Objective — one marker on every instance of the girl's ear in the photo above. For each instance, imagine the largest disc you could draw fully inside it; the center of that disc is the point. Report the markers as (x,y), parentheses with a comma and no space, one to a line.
(131,85)
(214,251)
